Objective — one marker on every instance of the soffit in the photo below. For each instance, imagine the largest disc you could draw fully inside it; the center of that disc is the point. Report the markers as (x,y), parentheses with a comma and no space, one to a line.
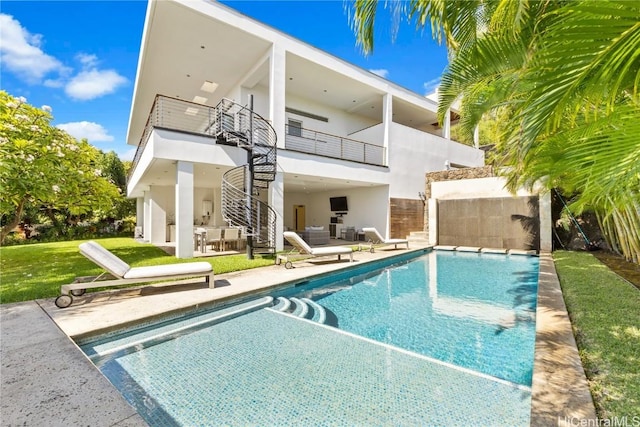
(182,49)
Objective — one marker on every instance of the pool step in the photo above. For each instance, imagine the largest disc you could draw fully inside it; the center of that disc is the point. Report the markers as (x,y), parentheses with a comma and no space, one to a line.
(319,313)
(301,307)
(283,304)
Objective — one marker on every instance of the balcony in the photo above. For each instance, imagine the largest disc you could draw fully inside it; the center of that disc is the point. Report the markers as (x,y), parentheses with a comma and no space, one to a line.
(337,147)
(198,119)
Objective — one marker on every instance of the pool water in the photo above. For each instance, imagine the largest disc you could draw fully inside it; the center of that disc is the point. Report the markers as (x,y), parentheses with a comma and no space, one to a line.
(436,340)
(474,311)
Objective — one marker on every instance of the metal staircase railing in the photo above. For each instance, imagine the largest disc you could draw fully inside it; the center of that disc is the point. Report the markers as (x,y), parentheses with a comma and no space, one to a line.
(239,126)
(240,209)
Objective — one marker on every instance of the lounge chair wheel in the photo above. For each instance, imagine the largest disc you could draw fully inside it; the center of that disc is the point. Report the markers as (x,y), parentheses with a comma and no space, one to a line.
(78,292)
(288,265)
(64,301)
(371,250)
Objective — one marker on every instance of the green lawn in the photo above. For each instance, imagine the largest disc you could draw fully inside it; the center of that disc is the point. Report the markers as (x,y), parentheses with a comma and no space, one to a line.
(37,271)
(605,314)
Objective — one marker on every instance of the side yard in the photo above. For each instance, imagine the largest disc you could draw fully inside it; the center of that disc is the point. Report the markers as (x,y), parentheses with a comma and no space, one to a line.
(605,315)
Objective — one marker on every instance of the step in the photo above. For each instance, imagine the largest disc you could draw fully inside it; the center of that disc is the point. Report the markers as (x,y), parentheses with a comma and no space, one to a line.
(319,313)
(282,304)
(302,309)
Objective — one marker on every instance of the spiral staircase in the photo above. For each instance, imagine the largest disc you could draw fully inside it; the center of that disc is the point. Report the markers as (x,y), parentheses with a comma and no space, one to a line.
(239,126)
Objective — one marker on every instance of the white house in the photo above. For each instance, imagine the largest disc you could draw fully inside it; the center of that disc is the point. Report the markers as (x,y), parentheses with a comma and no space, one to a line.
(319,129)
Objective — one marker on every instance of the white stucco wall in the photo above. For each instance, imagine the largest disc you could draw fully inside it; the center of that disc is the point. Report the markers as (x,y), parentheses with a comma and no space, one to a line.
(340,122)
(368,207)
(413,153)
(473,188)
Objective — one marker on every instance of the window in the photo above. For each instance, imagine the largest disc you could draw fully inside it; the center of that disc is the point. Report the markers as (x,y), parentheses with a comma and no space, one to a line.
(295,127)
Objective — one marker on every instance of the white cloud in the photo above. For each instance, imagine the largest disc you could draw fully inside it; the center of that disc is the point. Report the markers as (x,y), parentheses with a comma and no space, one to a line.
(94,83)
(431,86)
(381,72)
(93,132)
(87,60)
(20,52)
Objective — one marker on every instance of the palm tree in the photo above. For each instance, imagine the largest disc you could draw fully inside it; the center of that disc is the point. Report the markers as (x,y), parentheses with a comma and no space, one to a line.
(563,77)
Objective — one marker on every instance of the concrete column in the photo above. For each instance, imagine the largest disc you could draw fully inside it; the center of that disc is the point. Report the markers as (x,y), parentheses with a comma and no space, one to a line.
(276,201)
(140,211)
(157,218)
(387,118)
(446,125)
(184,209)
(432,206)
(146,216)
(546,224)
(277,86)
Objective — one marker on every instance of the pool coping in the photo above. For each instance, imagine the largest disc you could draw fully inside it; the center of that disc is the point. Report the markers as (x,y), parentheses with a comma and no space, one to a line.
(560,393)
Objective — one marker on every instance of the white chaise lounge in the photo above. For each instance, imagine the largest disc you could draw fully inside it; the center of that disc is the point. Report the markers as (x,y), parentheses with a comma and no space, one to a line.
(124,274)
(372,236)
(304,249)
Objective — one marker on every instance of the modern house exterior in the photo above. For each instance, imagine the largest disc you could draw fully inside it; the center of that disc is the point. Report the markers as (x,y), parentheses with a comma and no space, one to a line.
(239,124)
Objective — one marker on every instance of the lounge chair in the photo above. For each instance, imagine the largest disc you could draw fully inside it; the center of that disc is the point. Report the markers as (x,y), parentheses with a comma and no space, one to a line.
(372,236)
(124,274)
(304,249)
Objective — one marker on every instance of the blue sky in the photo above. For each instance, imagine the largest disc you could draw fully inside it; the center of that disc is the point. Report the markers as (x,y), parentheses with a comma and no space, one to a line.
(80,57)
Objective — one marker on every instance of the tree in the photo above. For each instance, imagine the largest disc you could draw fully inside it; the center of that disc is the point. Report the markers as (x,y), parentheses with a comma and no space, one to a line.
(115,171)
(41,165)
(563,77)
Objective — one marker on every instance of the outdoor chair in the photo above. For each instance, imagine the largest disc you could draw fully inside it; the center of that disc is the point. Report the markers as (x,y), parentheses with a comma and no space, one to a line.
(231,237)
(123,274)
(304,249)
(373,237)
(214,236)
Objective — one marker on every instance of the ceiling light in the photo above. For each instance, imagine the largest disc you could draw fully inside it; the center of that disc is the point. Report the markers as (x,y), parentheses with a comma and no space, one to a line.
(208,86)
(191,111)
(199,99)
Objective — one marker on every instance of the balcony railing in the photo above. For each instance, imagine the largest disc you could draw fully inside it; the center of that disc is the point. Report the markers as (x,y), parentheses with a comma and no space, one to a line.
(197,119)
(337,147)
(178,115)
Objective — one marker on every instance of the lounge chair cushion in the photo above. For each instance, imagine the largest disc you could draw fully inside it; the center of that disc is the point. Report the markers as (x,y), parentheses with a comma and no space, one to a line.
(304,248)
(104,258)
(372,235)
(331,250)
(168,270)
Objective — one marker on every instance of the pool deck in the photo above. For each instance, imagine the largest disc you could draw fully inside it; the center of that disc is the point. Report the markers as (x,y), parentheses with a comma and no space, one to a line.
(47,380)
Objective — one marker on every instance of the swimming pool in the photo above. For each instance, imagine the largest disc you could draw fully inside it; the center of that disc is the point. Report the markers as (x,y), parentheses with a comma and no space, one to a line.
(252,366)
(475,311)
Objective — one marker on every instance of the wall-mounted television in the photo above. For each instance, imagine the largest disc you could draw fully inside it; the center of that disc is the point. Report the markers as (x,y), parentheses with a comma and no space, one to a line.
(339,204)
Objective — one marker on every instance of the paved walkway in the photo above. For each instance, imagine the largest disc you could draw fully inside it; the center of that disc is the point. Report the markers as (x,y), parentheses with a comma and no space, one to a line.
(48,381)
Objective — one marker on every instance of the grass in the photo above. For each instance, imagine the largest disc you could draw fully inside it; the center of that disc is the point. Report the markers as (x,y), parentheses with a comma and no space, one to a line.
(35,271)
(605,314)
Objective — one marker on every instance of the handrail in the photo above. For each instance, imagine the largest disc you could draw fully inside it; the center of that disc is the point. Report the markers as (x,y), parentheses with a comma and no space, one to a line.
(324,144)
